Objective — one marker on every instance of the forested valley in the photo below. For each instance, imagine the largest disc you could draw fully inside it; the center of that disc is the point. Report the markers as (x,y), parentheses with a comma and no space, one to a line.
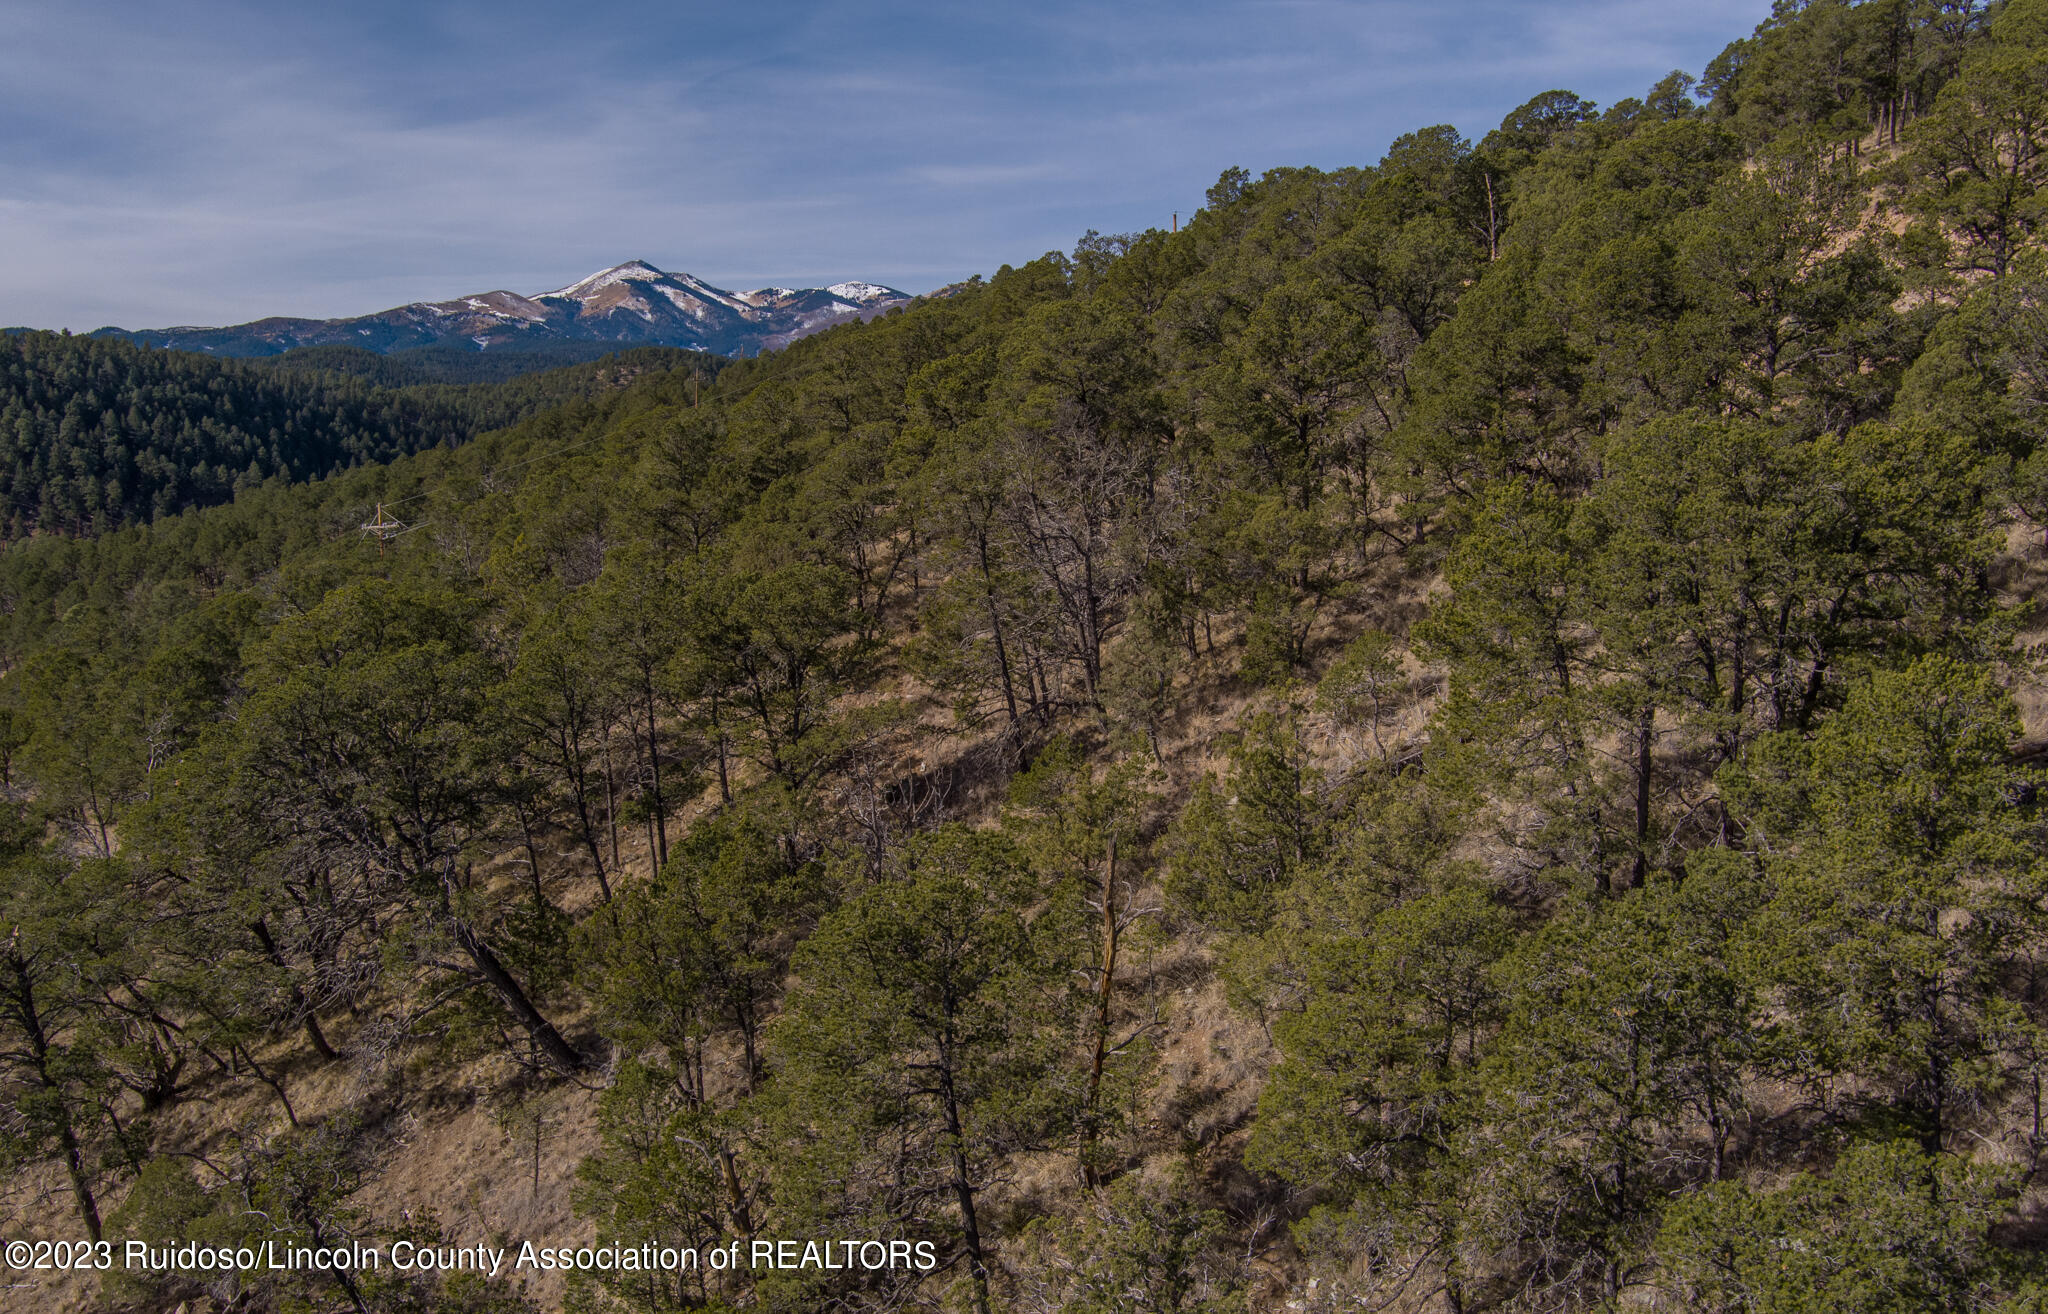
(1456,735)
(96,433)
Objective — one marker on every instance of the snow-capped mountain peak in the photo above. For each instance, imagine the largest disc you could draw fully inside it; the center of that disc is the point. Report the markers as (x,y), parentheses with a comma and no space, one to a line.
(628,304)
(633,271)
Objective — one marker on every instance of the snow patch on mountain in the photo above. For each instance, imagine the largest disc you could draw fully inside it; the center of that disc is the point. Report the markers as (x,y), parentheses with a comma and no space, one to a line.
(704,289)
(685,302)
(633,271)
(865,294)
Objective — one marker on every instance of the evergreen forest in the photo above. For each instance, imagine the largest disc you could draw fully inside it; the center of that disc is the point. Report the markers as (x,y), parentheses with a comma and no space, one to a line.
(96,433)
(1460,734)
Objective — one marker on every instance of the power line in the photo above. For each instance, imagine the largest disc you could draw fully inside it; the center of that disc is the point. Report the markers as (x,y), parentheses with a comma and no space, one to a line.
(383,527)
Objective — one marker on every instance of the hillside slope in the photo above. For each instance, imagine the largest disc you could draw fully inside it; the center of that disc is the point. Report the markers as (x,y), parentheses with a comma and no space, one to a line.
(1453,735)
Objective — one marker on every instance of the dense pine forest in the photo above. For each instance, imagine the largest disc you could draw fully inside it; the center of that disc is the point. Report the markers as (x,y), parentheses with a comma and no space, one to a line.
(1457,735)
(96,433)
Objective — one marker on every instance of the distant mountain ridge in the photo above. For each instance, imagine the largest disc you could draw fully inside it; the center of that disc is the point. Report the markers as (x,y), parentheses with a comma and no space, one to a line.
(632,304)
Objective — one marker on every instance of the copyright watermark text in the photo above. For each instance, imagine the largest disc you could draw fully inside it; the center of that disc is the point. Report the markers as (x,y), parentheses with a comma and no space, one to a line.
(204,1260)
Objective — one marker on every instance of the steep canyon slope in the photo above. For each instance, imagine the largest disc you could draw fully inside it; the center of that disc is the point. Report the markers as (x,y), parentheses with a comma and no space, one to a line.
(1459,735)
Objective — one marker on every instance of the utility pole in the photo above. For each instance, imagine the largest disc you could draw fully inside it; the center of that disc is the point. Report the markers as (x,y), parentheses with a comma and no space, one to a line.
(384,527)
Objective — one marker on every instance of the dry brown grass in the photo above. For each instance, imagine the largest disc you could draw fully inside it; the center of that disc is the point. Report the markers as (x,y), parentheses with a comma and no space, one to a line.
(446,1149)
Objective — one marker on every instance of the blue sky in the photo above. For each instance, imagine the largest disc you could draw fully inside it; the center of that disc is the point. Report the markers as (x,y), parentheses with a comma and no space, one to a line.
(207,163)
